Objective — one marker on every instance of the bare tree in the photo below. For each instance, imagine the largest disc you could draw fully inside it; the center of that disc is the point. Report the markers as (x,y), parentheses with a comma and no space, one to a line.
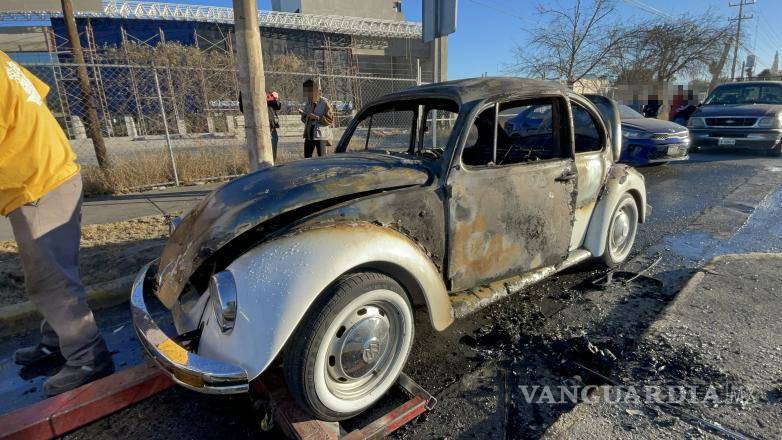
(573,43)
(688,45)
(665,50)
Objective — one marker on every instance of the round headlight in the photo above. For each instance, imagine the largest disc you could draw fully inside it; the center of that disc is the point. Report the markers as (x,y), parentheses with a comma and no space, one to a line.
(222,294)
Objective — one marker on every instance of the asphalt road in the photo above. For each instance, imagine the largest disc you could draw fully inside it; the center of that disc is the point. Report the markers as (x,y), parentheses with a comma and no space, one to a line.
(476,366)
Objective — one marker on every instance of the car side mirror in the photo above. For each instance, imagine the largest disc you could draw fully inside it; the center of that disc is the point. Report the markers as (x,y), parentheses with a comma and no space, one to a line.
(610,113)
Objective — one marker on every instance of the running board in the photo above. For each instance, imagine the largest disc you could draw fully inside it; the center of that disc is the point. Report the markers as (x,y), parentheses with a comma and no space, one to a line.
(466,302)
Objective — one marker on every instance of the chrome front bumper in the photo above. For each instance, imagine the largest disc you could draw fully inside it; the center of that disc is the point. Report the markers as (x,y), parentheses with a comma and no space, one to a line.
(184,367)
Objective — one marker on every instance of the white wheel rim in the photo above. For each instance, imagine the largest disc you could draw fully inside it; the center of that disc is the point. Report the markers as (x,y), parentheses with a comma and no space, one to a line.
(621,234)
(363,351)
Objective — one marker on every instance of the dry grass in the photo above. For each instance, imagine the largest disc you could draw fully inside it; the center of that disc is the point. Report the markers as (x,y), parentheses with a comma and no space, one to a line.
(142,169)
(108,251)
(138,170)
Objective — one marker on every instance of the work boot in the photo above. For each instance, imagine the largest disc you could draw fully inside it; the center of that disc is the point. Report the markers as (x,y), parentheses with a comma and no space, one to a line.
(37,354)
(71,377)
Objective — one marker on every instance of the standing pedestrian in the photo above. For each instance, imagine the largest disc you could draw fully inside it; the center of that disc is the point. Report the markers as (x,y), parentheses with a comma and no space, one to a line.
(41,193)
(317,118)
(273,105)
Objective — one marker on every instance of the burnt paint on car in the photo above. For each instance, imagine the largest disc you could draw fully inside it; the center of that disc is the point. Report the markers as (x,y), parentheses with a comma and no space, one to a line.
(416,212)
(353,187)
(508,220)
(245,205)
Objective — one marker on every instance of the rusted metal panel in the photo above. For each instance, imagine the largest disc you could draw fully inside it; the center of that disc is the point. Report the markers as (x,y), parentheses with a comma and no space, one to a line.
(468,301)
(591,175)
(416,212)
(508,220)
(246,203)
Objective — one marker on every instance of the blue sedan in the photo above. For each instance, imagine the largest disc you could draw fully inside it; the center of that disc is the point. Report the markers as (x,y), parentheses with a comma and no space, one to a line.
(649,141)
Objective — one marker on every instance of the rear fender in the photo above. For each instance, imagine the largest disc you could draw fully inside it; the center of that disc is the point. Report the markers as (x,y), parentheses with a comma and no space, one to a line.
(279,280)
(621,179)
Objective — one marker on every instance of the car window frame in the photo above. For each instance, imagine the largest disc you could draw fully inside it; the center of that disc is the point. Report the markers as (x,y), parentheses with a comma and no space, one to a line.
(559,107)
(416,103)
(596,117)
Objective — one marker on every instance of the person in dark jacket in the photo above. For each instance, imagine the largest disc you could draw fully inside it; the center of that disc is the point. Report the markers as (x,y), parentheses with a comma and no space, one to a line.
(273,104)
(686,109)
(652,107)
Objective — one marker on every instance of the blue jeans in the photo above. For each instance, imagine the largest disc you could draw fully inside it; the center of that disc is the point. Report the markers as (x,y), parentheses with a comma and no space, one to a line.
(275,140)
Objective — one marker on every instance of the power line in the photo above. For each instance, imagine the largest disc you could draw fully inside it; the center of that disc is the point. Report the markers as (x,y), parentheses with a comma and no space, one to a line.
(643,6)
(499,9)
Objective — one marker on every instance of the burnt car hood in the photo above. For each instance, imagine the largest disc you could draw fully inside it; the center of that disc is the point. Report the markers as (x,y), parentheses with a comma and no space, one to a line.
(246,203)
(738,110)
(653,125)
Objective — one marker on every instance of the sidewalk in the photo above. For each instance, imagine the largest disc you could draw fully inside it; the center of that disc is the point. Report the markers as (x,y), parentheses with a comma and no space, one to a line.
(722,331)
(109,209)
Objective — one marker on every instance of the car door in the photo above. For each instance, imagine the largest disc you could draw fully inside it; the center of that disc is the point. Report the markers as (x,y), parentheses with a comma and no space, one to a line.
(511,199)
(592,161)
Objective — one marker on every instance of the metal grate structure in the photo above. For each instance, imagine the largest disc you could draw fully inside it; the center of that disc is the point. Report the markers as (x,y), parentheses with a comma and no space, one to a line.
(268,19)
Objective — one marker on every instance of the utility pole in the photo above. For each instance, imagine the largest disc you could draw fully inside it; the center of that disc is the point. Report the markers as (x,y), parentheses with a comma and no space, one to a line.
(716,68)
(93,123)
(252,84)
(738,19)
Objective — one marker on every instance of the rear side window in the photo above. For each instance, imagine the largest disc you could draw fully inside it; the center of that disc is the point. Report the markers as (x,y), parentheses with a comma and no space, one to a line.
(585,131)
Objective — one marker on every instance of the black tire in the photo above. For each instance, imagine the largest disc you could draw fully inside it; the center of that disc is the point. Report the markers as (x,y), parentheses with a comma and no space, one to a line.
(612,257)
(776,151)
(300,358)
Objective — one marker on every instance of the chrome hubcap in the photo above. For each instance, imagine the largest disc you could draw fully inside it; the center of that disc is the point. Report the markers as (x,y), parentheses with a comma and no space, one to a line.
(622,232)
(621,228)
(362,349)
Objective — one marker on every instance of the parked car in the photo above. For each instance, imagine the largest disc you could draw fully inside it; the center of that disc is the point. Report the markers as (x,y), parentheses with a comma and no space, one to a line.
(744,115)
(533,118)
(651,141)
(316,264)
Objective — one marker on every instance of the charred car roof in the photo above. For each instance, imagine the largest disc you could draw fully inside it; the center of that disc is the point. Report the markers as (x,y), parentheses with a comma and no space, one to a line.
(476,89)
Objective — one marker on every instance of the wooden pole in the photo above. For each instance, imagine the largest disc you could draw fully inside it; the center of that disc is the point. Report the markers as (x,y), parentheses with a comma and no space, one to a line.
(93,122)
(252,84)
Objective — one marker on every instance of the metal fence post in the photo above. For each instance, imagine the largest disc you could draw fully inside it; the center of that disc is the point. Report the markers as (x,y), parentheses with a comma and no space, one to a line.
(165,125)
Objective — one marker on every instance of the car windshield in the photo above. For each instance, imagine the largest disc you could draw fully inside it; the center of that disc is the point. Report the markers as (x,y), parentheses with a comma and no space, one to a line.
(406,127)
(626,112)
(746,94)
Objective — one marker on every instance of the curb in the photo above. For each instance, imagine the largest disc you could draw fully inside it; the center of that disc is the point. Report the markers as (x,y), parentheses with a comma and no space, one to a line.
(17,318)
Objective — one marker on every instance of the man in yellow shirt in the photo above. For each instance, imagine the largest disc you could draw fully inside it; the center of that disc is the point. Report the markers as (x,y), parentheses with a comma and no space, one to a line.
(41,193)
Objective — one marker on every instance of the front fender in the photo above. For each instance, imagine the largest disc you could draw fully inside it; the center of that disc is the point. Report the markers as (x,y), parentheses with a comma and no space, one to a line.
(278,281)
(621,179)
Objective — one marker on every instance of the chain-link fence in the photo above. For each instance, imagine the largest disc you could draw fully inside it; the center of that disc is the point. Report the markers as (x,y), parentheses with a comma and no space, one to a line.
(162,123)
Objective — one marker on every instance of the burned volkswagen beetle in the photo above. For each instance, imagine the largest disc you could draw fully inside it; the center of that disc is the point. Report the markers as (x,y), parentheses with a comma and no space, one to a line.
(317,264)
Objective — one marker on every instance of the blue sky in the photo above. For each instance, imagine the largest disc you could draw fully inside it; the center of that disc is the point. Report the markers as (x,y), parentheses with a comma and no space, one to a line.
(488,30)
